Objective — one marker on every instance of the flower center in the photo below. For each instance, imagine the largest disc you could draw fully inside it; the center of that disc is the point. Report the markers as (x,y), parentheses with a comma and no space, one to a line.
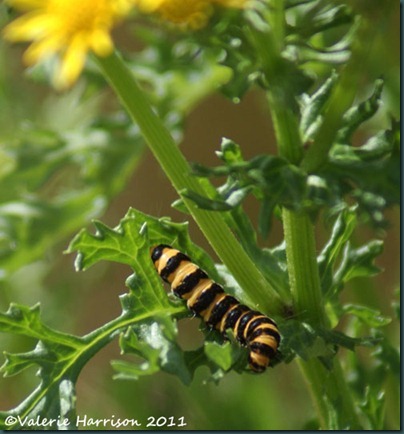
(81,15)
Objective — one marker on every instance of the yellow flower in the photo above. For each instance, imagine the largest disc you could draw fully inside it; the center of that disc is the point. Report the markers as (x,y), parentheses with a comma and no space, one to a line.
(148,5)
(189,13)
(69,28)
(231,3)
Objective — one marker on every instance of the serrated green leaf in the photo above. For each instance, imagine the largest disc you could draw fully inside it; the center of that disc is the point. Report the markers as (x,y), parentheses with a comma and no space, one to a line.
(236,197)
(180,206)
(297,337)
(340,236)
(359,262)
(15,363)
(371,317)
(356,115)
(155,342)
(130,371)
(147,313)
(313,106)
(129,243)
(331,16)
(389,357)
(265,216)
(377,148)
(369,174)
(334,55)
(161,353)
(283,182)
(221,355)
(319,18)
(373,406)
(148,334)
(59,356)
(230,152)
(308,342)
(271,179)
(333,422)
(24,320)
(206,203)
(113,244)
(341,339)
(204,172)
(67,393)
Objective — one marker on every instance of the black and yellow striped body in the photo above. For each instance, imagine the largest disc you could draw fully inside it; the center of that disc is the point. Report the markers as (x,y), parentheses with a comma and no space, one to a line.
(219,310)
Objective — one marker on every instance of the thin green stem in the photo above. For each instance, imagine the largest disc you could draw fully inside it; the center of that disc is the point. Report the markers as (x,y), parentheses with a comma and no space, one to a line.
(281,100)
(177,169)
(341,99)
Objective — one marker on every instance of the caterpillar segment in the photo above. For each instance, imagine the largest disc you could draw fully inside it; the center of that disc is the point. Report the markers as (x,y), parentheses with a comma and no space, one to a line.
(219,310)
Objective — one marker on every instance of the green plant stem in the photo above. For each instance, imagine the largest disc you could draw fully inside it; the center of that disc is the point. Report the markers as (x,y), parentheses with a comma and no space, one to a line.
(341,99)
(283,117)
(328,388)
(303,272)
(331,396)
(177,169)
(299,232)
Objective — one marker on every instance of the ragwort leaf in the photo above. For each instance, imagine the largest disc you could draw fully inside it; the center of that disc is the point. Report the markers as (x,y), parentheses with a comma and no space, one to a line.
(59,356)
(312,108)
(154,341)
(356,115)
(340,236)
(371,317)
(146,325)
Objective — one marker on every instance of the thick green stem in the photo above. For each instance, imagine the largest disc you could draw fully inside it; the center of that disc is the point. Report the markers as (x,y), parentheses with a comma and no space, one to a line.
(331,396)
(328,388)
(177,169)
(303,272)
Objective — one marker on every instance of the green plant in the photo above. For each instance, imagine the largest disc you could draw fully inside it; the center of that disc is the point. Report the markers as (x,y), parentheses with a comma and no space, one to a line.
(308,59)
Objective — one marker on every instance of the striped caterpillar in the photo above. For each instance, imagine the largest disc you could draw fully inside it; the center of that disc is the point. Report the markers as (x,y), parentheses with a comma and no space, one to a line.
(219,310)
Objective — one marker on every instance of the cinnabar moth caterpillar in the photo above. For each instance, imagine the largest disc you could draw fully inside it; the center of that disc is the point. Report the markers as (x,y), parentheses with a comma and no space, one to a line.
(219,310)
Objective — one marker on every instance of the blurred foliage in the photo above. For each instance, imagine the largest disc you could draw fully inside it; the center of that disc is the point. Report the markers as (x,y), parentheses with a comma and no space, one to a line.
(64,158)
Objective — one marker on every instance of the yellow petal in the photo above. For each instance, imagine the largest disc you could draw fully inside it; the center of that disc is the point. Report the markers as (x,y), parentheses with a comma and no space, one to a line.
(122,7)
(67,28)
(28,27)
(101,43)
(148,5)
(42,49)
(27,5)
(72,64)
